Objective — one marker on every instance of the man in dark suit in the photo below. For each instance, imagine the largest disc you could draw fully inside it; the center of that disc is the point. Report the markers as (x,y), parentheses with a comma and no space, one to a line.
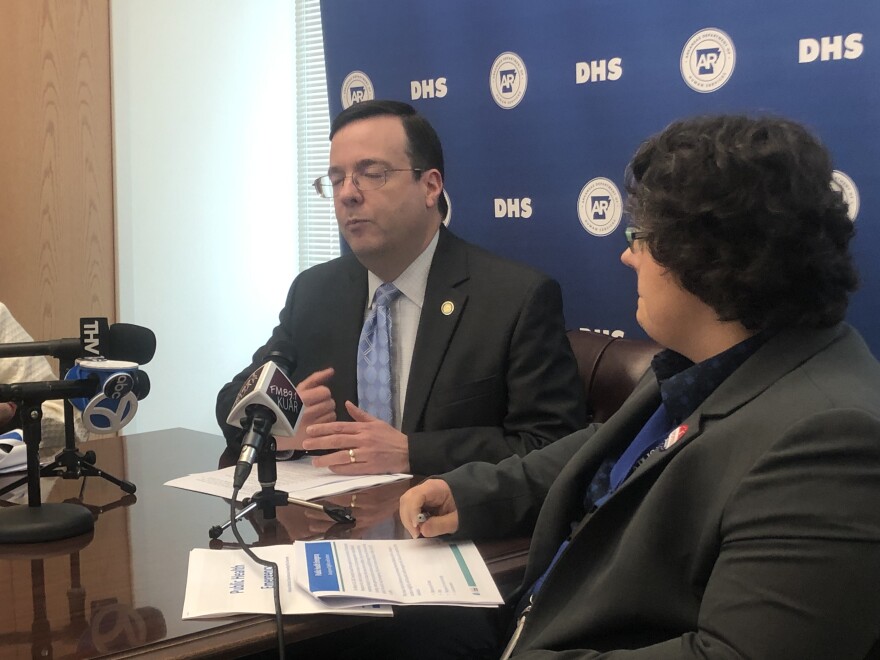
(729,508)
(480,365)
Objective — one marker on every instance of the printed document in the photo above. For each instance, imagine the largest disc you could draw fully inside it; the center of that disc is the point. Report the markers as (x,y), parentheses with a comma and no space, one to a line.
(354,577)
(226,582)
(299,479)
(403,572)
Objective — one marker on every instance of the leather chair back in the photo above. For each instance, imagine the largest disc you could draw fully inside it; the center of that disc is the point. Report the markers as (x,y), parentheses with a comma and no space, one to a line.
(609,367)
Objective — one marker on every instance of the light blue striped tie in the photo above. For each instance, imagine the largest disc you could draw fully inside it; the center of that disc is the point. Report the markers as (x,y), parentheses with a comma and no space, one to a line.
(374,357)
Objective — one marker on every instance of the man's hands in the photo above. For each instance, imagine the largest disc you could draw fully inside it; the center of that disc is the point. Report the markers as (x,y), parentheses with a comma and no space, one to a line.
(434,498)
(320,407)
(364,446)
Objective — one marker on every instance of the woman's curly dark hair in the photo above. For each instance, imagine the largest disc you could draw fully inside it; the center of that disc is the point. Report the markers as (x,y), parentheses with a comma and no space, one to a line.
(741,210)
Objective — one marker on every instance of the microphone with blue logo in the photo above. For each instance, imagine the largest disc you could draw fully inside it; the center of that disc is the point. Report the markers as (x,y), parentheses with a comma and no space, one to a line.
(106,391)
(112,393)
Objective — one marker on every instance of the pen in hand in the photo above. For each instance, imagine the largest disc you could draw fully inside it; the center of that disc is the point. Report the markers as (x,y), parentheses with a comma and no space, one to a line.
(417,523)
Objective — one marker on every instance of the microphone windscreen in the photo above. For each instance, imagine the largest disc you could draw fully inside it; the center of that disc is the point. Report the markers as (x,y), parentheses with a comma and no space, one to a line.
(281,354)
(141,385)
(131,342)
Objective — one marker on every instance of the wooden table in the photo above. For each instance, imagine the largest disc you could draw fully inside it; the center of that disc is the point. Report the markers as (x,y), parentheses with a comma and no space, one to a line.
(118,592)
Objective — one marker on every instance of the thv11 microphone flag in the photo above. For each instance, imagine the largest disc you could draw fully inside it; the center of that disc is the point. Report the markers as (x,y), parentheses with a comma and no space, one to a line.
(268,386)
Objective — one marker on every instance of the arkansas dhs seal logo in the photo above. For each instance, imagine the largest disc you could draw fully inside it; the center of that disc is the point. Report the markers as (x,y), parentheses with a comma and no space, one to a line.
(599,206)
(847,187)
(508,80)
(356,87)
(707,60)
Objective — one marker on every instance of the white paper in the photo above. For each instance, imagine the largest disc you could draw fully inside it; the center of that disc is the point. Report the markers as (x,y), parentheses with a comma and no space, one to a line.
(13,453)
(226,582)
(299,479)
(405,572)
(13,456)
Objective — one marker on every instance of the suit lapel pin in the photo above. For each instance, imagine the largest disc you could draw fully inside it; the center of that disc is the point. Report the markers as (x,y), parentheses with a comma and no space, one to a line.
(675,436)
(447,308)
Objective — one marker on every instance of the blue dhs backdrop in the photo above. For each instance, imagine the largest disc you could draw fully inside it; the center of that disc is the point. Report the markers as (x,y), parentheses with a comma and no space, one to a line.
(540,106)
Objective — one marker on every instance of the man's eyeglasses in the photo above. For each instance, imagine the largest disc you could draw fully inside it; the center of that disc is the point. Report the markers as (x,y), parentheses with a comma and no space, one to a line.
(632,235)
(371,178)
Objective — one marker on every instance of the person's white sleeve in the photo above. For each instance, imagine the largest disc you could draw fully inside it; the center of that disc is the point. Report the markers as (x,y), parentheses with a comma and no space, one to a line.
(30,369)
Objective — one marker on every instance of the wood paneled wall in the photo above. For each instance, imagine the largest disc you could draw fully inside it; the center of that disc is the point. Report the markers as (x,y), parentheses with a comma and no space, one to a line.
(57,250)
(57,258)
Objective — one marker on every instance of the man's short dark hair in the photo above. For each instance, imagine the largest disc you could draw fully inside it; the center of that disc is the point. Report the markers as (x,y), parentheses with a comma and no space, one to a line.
(423,145)
(741,210)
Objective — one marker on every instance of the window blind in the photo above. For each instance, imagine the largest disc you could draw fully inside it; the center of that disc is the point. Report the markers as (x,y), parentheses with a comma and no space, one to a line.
(318,233)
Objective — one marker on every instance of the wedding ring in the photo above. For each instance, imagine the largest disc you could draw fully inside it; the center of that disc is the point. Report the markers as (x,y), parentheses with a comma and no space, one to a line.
(351,456)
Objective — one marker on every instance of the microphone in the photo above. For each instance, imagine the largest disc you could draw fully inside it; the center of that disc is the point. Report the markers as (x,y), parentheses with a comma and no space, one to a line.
(267,404)
(117,387)
(46,390)
(120,341)
(106,391)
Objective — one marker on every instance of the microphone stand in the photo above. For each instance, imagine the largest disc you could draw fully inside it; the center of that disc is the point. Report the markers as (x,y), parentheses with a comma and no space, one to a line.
(69,463)
(258,438)
(269,498)
(38,522)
